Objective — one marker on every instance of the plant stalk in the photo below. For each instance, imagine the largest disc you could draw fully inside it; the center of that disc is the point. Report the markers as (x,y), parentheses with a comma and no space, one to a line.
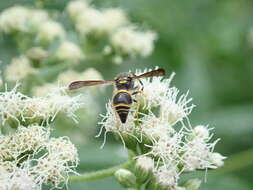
(89,176)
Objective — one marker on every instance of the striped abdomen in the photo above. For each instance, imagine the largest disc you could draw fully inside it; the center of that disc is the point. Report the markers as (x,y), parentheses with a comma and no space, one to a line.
(122,102)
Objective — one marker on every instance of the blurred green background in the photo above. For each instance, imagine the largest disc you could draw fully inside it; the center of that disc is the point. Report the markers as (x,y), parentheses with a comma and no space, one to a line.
(206,43)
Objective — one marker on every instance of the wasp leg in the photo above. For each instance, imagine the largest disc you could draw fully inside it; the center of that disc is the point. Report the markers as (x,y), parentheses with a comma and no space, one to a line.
(141,83)
(137,110)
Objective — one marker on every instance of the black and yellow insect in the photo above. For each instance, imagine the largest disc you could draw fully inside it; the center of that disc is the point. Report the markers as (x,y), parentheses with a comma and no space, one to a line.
(124,89)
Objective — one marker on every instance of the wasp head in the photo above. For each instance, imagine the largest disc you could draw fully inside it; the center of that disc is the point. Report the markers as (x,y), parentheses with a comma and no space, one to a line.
(124,81)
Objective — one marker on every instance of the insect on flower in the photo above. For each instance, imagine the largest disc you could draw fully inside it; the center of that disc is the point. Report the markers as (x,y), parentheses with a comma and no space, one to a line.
(125,88)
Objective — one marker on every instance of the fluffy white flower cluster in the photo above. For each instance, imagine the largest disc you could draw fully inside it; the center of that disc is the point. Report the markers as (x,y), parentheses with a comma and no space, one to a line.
(90,20)
(18,69)
(26,20)
(17,108)
(124,38)
(65,78)
(21,19)
(69,51)
(159,129)
(30,158)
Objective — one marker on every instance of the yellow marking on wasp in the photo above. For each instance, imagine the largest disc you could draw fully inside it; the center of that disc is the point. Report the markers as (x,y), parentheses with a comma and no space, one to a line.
(117,105)
(122,110)
(124,91)
(122,82)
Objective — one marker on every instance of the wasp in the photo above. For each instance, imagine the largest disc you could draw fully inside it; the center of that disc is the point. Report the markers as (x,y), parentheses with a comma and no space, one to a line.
(125,88)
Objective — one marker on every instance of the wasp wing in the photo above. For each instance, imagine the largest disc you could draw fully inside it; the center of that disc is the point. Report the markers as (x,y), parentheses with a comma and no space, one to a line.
(80,84)
(158,72)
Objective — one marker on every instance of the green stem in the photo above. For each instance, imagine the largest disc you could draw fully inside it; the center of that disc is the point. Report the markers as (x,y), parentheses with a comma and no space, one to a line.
(236,162)
(99,174)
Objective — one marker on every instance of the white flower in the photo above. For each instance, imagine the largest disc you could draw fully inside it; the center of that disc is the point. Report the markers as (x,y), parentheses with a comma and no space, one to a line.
(91,74)
(25,139)
(201,131)
(36,18)
(18,69)
(155,128)
(50,30)
(18,179)
(90,21)
(69,51)
(21,108)
(117,59)
(54,167)
(35,159)
(167,177)
(145,163)
(168,150)
(22,19)
(113,19)
(198,153)
(175,109)
(37,53)
(14,19)
(217,159)
(97,22)
(128,41)
(76,8)
(44,90)
(64,148)
(161,85)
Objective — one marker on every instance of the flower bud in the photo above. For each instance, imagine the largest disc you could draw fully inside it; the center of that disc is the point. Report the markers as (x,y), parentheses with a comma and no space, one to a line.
(37,53)
(143,168)
(153,185)
(217,159)
(126,178)
(192,184)
(201,131)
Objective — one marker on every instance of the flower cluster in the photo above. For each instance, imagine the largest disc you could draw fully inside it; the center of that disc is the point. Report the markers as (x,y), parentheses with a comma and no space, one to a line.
(159,133)
(19,68)
(65,78)
(124,38)
(30,158)
(17,108)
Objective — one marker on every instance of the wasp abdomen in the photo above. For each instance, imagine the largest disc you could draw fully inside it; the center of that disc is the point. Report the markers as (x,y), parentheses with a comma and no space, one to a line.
(122,102)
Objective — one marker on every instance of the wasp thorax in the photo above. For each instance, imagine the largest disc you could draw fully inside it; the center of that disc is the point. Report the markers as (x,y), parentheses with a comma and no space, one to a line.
(124,81)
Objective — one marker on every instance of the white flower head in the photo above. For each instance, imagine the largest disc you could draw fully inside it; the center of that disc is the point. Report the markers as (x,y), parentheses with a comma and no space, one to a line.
(167,177)
(145,163)
(50,30)
(36,18)
(168,150)
(98,22)
(217,159)
(25,139)
(128,41)
(69,51)
(161,85)
(18,179)
(198,153)
(37,53)
(44,160)
(18,69)
(174,108)
(21,108)
(90,21)
(55,166)
(14,19)
(64,148)
(155,128)
(113,19)
(44,90)
(201,131)
(76,8)
(91,74)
